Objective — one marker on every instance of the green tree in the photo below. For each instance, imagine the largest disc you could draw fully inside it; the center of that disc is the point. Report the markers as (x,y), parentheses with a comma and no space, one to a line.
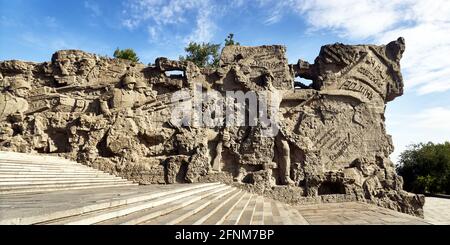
(425,168)
(229,40)
(127,54)
(202,54)
(206,54)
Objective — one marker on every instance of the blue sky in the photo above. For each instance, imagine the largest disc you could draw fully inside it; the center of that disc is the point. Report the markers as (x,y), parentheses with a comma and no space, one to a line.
(33,30)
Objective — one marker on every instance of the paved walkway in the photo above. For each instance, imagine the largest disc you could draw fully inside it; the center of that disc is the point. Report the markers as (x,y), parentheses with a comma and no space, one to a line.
(437,210)
(353,213)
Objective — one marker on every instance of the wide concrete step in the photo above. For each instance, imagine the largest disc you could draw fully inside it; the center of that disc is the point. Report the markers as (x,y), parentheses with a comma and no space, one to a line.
(189,208)
(220,214)
(123,210)
(60,187)
(30,156)
(8,170)
(50,175)
(37,189)
(32,208)
(33,166)
(227,208)
(51,166)
(54,179)
(235,215)
(52,170)
(156,213)
(199,217)
(248,212)
(38,162)
(80,167)
(49,171)
(20,183)
(268,209)
(147,214)
(258,215)
(62,183)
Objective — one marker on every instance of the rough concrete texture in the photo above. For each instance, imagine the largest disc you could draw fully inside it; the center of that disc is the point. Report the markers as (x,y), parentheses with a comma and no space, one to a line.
(116,116)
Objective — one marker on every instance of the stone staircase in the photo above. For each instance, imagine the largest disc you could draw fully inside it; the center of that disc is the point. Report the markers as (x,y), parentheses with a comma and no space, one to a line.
(22,173)
(209,203)
(36,189)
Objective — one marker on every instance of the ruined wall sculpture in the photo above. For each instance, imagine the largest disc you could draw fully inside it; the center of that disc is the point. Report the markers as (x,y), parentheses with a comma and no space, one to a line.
(321,142)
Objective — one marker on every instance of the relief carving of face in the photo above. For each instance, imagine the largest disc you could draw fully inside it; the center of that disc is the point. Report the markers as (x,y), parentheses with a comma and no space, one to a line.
(129,86)
(21,92)
(64,67)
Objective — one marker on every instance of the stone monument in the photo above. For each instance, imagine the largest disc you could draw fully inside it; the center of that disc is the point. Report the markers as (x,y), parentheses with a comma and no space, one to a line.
(245,123)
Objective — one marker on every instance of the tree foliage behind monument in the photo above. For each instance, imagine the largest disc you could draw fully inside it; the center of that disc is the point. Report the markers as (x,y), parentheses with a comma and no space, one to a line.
(127,54)
(202,54)
(206,54)
(425,168)
(230,41)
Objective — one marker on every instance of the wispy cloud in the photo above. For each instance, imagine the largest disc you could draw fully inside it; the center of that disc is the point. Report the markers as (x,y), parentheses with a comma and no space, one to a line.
(204,29)
(273,18)
(93,7)
(163,18)
(354,19)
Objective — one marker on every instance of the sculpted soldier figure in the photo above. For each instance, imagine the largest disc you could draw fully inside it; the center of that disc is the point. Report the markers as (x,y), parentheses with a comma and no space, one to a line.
(13,102)
(284,159)
(121,137)
(74,139)
(36,132)
(141,88)
(125,97)
(224,142)
(13,105)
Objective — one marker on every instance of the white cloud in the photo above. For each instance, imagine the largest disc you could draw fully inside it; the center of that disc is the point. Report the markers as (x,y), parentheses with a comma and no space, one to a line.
(273,18)
(354,19)
(425,63)
(425,24)
(93,7)
(158,15)
(204,30)
(153,33)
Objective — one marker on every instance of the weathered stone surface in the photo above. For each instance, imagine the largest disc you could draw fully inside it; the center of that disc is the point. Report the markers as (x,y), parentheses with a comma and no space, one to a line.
(330,144)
